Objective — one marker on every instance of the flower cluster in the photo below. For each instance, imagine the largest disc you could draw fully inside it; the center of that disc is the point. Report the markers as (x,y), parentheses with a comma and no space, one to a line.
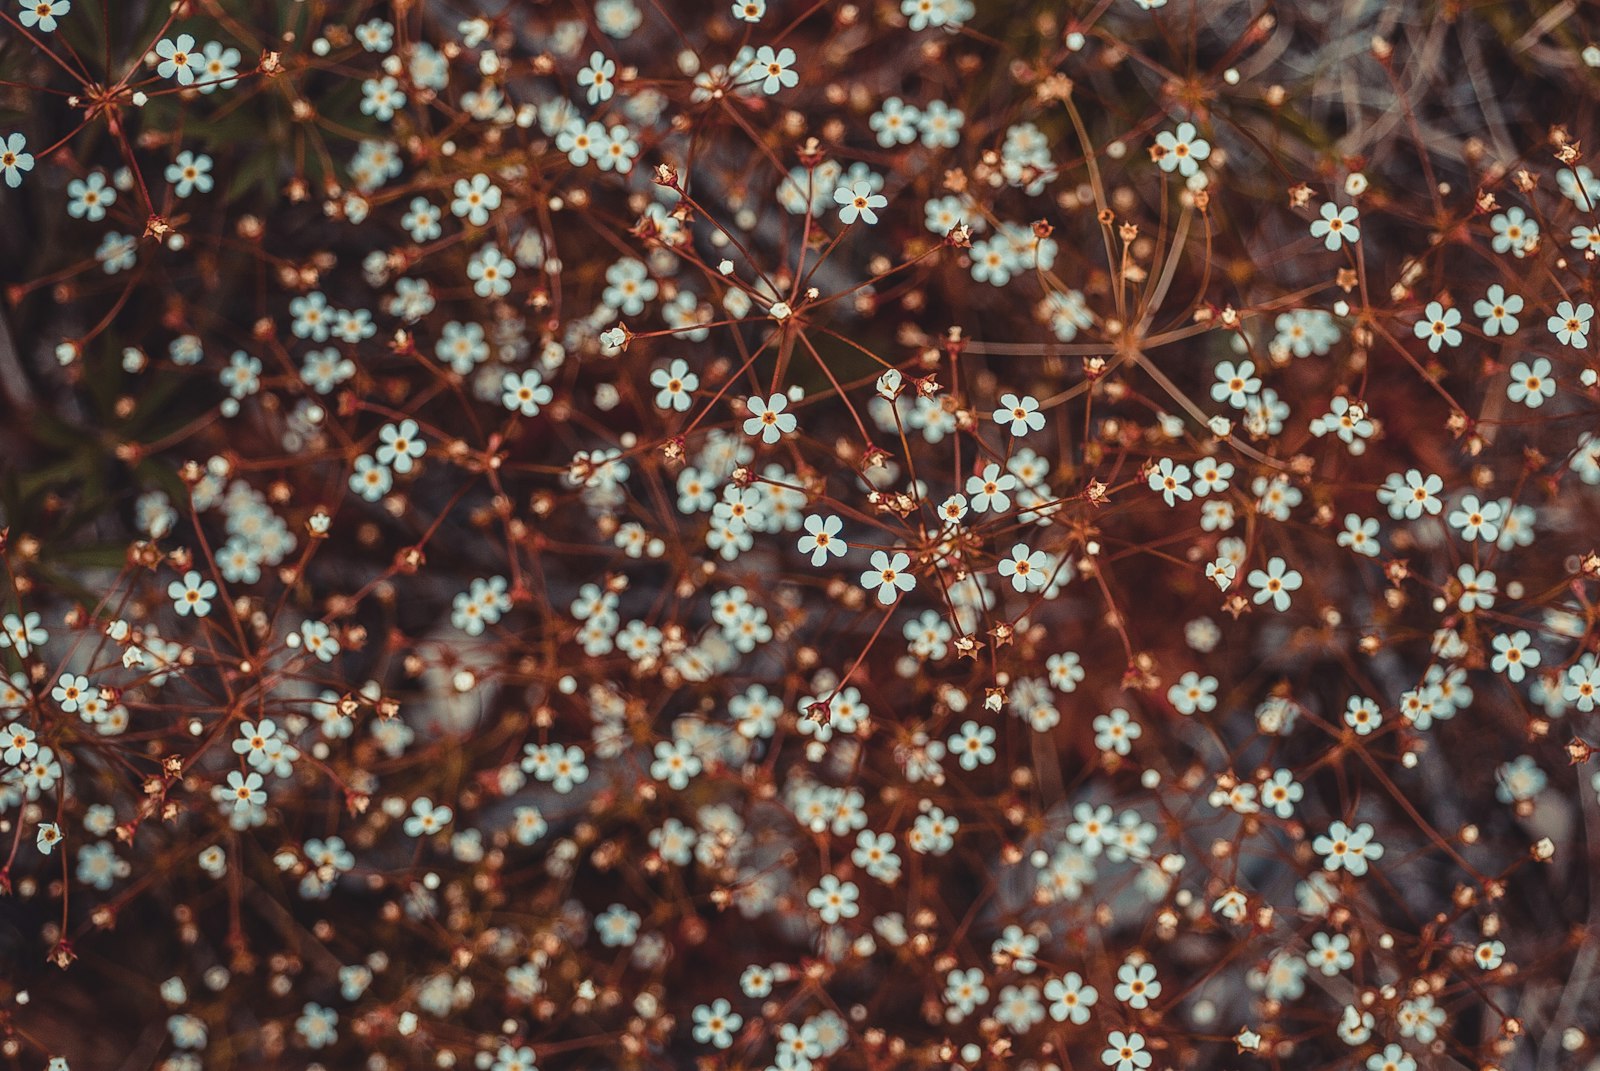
(787,535)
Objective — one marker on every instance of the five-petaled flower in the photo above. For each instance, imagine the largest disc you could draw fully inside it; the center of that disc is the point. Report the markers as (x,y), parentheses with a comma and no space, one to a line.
(42,14)
(769,418)
(426,819)
(400,446)
(1498,311)
(1171,481)
(1438,326)
(775,69)
(888,576)
(1027,569)
(1274,584)
(1514,655)
(1126,1052)
(1337,225)
(177,58)
(192,594)
(1348,849)
(1570,324)
(858,200)
(716,1023)
(821,540)
(1180,150)
(14,159)
(1531,383)
(1019,415)
(525,392)
(641,606)
(596,78)
(988,489)
(833,899)
(675,386)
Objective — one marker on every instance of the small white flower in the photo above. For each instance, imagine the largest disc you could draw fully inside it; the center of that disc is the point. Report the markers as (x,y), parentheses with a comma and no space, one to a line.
(1222,573)
(1019,415)
(1027,569)
(675,386)
(1126,1052)
(1489,955)
(1274,584)
(525,393)
(192,595)
(1531,383)
(400,446)
(822,539)
(1170,481)
(14,160)
(1570,324)
(1438,326)
(768,418)
(1498,311)
(1181,150)
(888,576)
(1137,985)
(833,899)
(597,78)
(858,201)
(1337,226)
(426,819)
(775,69)
(1514,656)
